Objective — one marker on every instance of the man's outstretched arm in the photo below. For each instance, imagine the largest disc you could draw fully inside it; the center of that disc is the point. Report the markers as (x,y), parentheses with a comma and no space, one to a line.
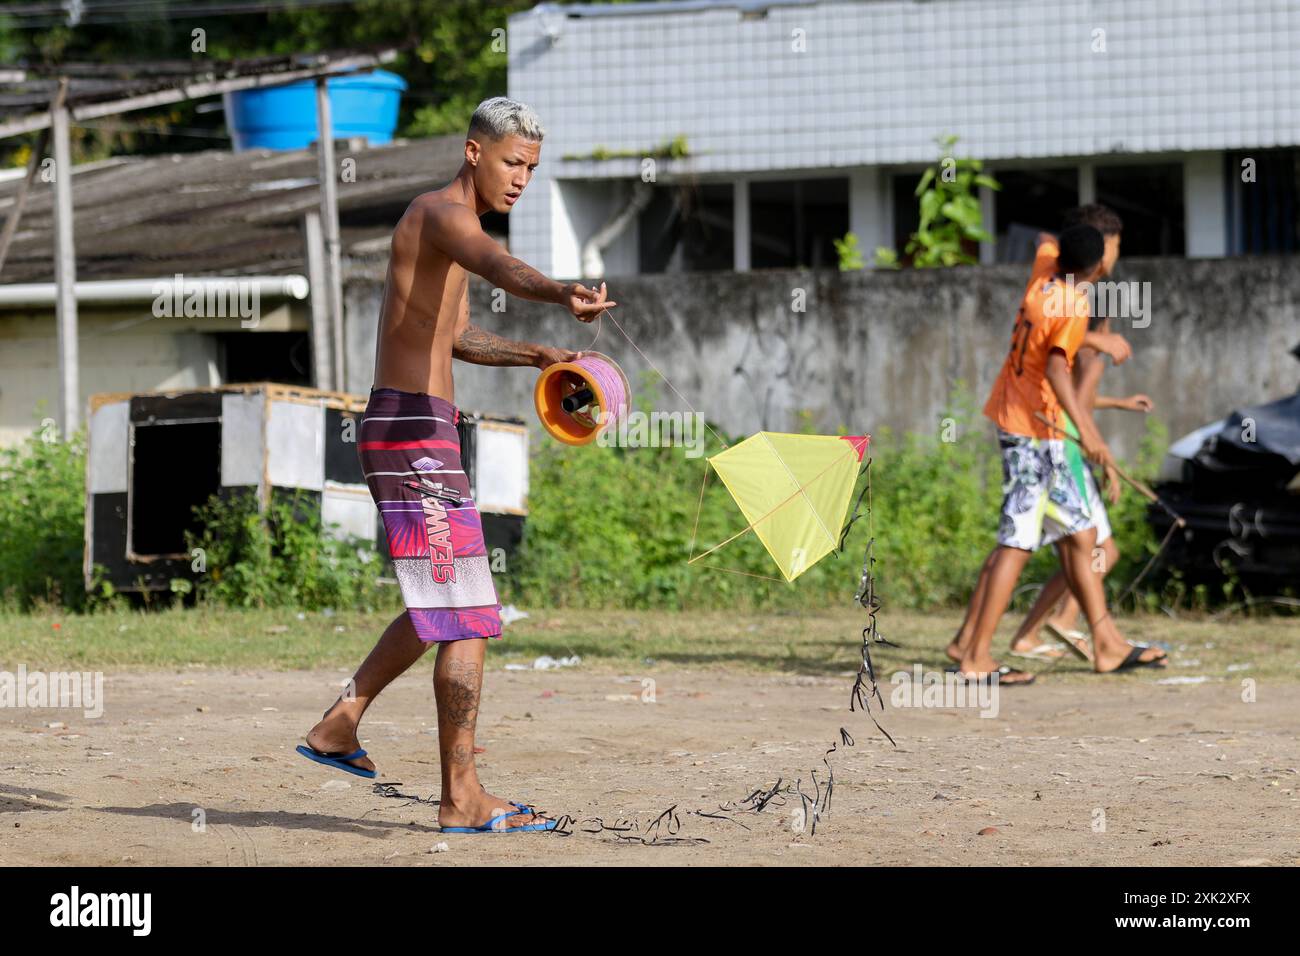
(457,232)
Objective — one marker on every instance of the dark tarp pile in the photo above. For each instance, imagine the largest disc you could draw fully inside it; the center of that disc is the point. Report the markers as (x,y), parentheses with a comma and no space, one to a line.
(1241,498)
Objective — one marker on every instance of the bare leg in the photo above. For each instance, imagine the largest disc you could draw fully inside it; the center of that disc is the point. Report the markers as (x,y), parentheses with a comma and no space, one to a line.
(1069,609)
(1005,565)
(1109,646)
(458,685)
(1057,604)
(1026,638)
(397,649)
(967,630)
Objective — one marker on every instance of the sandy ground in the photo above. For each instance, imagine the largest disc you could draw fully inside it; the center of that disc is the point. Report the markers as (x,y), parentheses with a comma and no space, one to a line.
(1129,773)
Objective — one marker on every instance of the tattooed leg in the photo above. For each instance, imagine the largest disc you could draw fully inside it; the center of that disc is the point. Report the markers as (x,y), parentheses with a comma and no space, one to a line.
(458,686)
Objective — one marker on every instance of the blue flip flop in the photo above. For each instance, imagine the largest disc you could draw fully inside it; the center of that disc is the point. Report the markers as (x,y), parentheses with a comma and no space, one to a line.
(491,825)
(337,760)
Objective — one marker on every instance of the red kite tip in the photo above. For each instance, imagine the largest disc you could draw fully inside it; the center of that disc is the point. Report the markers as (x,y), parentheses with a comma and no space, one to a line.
(859,443)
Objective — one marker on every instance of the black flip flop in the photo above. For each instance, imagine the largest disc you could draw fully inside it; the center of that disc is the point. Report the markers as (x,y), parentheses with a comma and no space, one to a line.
(1134,660)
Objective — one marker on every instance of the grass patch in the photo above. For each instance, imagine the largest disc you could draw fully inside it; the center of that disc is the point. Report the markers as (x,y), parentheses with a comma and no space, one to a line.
(821,643)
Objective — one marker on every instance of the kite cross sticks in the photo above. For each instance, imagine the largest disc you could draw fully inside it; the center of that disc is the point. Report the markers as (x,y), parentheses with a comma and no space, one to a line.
(794,491)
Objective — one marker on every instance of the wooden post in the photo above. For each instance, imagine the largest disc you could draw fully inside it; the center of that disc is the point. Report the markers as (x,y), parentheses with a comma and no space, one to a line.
(321,333)
(329,217)
(65,271)
(20,200)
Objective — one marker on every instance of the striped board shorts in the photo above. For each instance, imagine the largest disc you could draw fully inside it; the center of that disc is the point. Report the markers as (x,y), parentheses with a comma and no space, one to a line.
(410,454)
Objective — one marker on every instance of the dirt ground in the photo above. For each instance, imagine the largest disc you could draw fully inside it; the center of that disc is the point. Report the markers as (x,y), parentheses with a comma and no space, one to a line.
(1098,773)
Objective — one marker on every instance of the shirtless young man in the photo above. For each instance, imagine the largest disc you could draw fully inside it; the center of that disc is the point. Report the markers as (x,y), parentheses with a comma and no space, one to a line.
(410,453)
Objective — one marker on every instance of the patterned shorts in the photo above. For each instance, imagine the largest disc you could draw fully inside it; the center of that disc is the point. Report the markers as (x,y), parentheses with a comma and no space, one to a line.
(410,453)
(1096,506)
(1041,501)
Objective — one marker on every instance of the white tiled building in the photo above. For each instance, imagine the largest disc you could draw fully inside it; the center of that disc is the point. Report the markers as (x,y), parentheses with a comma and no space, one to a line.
(804,120)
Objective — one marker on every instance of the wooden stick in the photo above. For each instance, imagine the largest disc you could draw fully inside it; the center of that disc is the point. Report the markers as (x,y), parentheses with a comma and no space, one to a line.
(1133,483)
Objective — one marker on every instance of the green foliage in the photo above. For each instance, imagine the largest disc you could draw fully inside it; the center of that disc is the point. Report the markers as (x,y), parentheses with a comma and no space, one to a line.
(936,504)
(42,520)
(1128,518)
(950,212)
(887,258)
(609,528)
(451,60)
(280,558)
(452,55)
(675,148)
(849,252)
(613,527)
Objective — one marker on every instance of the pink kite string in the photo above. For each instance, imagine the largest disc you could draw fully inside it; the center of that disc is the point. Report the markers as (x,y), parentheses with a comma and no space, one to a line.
(610,381)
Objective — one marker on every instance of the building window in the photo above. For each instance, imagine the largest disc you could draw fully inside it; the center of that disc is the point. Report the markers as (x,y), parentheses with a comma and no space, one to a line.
(1263,215)
(1032,201)
(281,357)
(687,227)
(161,505)
(907,211)
(794,223)
(1149,198)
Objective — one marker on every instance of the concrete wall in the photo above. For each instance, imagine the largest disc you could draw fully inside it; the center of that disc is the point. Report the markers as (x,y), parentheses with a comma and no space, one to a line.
(880,349)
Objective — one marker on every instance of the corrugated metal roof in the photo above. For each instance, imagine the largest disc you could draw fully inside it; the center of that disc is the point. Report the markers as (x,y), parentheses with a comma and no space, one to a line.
(217,212)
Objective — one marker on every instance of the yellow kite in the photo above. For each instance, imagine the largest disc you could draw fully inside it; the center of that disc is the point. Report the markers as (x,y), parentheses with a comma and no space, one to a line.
(793,490)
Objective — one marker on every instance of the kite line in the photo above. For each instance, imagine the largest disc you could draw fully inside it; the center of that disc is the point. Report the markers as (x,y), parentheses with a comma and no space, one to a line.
(665,829)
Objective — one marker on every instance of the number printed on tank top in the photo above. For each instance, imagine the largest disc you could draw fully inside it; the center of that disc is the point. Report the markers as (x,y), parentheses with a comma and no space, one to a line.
(1019,341)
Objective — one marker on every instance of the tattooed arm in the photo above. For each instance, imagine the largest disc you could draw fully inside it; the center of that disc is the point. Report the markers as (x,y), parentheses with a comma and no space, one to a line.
(459,234)
(482,347)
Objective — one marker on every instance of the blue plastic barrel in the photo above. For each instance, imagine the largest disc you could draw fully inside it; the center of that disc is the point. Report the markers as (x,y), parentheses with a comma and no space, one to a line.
(284,117)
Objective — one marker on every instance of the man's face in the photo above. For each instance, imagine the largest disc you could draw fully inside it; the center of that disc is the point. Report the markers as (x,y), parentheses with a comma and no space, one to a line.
(1111,255)
(502,168)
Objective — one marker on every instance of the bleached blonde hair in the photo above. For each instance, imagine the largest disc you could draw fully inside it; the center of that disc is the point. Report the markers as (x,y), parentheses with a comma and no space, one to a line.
(501,116)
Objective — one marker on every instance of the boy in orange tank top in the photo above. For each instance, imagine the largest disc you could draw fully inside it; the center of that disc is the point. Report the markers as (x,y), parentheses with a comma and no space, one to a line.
(1042,504)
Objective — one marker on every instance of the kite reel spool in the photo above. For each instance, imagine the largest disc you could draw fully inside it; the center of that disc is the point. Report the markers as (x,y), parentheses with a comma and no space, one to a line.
(576,401)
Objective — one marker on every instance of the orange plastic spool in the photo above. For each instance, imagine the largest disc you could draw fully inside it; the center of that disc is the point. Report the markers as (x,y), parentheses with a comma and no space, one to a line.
(570,397)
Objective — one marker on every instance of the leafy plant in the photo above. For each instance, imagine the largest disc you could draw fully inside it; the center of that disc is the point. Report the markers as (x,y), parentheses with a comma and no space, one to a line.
(950,210)
(849,252)
(281,557)
(42,520)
